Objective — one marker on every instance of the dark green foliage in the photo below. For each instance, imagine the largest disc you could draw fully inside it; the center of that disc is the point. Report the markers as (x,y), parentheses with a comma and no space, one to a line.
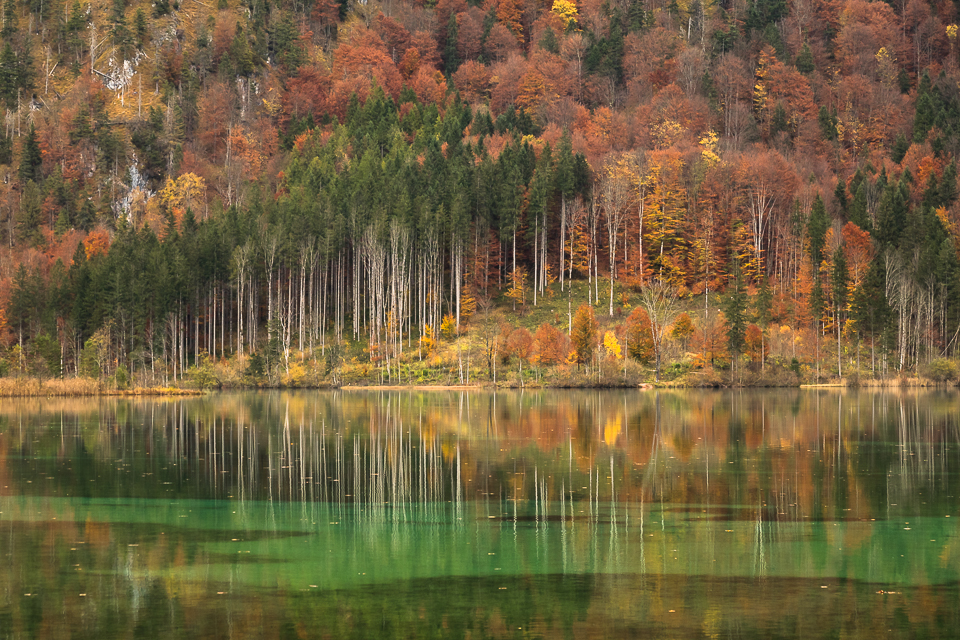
(771,35)
(828,124)
(858,213)
(724,39)
(637,18)
(892,213)
(817,302)
(840,195)
(6,149)
(161,8)
(899,148)
(923,117)
(31,160)
(9,19)
(605,55)
(519,121)
(948,185)
(761,13)
(147,137)
(763,304)
(804,61)
(817,226)
(903,80)
(140,27)
(869,308)
(285,48)
(549,41)
(735,309)
(779,122)
(241,55)
(839,279)
(451,61)
(16,73)
(119,32)
(21,310)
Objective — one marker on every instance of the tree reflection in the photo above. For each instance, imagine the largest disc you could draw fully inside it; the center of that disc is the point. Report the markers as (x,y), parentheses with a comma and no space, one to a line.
(598,510)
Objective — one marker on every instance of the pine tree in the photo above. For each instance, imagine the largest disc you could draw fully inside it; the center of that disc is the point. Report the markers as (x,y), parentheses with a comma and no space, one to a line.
(892,214)
(899,148)
(31,159)
(857,213)
(9,19)
(926,110)
(9,78)
(840,195)
(120,33)
(763,304)
(948,184)
(6,149)
(828,124)
(549,41)
(804,61)
(735,309)
(869,309)
(838,282)
(817,226)
(140,27)
(451,60)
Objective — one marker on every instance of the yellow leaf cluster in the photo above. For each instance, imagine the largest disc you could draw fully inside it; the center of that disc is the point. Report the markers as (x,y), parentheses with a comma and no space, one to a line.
(612,346)
(185,192)
(566,11)
(709,143)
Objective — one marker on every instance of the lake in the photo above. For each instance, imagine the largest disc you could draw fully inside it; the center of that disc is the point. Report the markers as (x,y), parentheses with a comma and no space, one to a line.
(430,514)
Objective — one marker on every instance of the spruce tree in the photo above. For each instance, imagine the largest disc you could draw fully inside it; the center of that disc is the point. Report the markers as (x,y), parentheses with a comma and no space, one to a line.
(735,309)
(838,281)
(9,19)
(31,160)
(840,195)
(804,62)
(817,226)
(451,60)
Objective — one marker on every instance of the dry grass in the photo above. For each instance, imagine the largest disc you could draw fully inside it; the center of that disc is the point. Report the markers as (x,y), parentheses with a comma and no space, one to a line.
(78,387)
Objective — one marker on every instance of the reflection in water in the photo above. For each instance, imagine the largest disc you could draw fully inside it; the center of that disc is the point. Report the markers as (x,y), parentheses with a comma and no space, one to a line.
(586,514)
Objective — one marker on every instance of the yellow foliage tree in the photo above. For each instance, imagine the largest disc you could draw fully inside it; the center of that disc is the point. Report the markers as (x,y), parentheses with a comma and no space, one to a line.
(682,329)
(448,327)
(566,11)
(518,286)
(612,346)
(426,341)
(185,192)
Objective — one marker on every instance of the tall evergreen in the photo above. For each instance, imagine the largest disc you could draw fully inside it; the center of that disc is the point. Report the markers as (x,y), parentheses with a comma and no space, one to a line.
(817,226)
(839,278)
(892,213)
(735,309)
(31,159)
(451,59)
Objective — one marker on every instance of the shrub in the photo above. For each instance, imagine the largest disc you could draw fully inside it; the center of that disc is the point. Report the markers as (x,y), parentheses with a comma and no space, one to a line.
(942,370)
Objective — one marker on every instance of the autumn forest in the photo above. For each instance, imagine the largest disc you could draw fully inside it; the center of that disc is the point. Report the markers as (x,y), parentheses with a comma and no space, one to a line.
(316,192)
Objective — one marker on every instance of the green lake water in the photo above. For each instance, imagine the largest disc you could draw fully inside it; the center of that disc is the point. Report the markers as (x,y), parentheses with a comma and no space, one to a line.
(443,514)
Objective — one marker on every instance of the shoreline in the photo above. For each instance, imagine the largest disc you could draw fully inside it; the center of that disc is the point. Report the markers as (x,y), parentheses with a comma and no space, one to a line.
(81,388)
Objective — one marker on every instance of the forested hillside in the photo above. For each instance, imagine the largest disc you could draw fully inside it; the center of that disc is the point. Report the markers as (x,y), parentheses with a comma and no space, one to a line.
(287,185)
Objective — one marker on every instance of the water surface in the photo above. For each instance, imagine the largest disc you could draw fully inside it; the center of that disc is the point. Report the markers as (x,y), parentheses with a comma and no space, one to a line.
(413,514)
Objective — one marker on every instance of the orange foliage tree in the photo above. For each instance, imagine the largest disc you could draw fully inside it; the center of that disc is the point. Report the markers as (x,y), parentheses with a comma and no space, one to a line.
(756,344)
(639,335)
(96,243)
(550,345)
